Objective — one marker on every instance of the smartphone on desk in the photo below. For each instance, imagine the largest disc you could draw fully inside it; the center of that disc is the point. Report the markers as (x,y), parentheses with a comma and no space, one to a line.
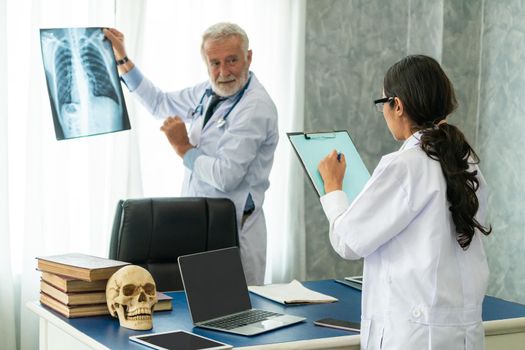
(339,324)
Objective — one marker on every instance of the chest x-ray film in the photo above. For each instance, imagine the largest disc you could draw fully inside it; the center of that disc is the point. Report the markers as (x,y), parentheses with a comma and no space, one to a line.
(82,82)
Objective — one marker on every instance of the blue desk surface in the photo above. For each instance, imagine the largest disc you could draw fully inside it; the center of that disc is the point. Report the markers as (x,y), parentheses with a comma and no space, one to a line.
(106,330)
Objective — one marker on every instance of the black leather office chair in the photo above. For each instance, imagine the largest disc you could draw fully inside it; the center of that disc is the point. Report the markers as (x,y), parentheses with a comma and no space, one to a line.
(154,232)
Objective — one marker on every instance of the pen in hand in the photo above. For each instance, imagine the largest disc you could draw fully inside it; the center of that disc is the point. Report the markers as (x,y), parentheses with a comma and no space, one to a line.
(332,170)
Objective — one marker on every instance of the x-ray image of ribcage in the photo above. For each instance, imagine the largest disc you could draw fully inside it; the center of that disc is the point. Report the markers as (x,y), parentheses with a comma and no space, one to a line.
(83,84)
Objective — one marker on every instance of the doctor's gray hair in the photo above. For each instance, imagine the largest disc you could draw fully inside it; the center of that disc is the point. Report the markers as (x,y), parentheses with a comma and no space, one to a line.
(224,30)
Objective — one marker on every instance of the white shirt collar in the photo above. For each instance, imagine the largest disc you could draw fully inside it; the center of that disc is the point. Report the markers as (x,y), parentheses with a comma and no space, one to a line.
(412,141)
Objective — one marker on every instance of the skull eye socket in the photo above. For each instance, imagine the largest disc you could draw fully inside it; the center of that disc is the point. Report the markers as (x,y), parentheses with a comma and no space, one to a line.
(149,288)
(128,289)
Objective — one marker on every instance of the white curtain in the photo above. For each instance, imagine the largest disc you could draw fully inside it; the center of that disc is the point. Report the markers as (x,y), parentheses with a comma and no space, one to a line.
(286,231)
(60,196)
(7,305)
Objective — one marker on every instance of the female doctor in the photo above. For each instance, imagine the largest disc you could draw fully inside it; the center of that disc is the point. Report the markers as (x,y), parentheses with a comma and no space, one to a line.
(418,221)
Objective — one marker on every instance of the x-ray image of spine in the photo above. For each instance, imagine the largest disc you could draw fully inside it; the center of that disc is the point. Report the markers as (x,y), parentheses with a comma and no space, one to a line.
(83,84)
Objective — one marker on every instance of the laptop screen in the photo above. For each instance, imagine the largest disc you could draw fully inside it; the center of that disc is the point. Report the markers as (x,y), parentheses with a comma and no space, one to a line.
(214,283)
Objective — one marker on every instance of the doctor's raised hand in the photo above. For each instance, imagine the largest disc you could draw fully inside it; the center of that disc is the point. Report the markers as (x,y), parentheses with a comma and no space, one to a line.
(177,135)
(332,169)
(116,38)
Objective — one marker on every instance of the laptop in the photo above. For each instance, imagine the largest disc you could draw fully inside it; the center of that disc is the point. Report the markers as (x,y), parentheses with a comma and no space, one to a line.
(218,296)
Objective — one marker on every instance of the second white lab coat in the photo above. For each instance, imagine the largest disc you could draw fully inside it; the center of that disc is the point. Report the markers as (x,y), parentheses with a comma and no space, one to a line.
(421,290)
(235,157)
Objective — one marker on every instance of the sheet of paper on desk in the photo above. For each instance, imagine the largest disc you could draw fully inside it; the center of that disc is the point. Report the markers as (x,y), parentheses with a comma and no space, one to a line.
(291,293)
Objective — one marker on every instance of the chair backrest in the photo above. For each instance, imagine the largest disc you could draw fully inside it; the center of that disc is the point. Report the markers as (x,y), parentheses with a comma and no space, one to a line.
(154,232)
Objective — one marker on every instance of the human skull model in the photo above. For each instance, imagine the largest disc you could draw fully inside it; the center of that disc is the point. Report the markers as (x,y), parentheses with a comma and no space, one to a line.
(130,295)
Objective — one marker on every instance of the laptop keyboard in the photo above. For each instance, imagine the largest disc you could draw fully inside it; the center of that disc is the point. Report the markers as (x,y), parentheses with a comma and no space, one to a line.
(242,319)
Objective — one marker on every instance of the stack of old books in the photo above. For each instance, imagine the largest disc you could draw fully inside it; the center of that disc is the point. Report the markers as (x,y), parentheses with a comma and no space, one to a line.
(74,284)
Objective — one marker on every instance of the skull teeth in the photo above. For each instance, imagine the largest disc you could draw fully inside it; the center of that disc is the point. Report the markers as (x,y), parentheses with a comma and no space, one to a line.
(140,312)
(139,317)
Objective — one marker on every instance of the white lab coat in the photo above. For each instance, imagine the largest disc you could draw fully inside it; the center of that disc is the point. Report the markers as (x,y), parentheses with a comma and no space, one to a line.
(421,290)
(235,159)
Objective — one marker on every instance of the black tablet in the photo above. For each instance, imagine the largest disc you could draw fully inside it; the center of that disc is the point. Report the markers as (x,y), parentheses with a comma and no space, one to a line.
(178,340)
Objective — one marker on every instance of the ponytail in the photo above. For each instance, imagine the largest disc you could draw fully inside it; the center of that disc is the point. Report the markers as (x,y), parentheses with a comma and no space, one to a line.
(447,144)
(428,98)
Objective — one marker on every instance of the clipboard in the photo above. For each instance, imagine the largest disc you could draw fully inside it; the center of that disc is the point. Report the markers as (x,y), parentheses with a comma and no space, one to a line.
(311,148)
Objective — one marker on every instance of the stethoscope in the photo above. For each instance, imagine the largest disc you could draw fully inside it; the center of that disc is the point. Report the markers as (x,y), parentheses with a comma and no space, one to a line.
(208,92)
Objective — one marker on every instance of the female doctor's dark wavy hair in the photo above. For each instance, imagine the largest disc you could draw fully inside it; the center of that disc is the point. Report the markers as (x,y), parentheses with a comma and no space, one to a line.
(428,98)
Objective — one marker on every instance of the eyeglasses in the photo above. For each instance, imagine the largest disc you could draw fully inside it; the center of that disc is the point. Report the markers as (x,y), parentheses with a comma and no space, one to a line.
(380,102)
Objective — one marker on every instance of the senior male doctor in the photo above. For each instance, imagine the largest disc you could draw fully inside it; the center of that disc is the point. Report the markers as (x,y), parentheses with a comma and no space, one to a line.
(229,148)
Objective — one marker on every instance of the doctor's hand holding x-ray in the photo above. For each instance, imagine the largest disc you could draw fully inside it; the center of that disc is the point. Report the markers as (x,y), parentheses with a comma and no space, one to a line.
(229,147)
(418,222)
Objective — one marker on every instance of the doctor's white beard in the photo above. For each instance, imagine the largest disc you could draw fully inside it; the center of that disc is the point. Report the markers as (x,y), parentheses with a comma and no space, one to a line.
(229,89)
